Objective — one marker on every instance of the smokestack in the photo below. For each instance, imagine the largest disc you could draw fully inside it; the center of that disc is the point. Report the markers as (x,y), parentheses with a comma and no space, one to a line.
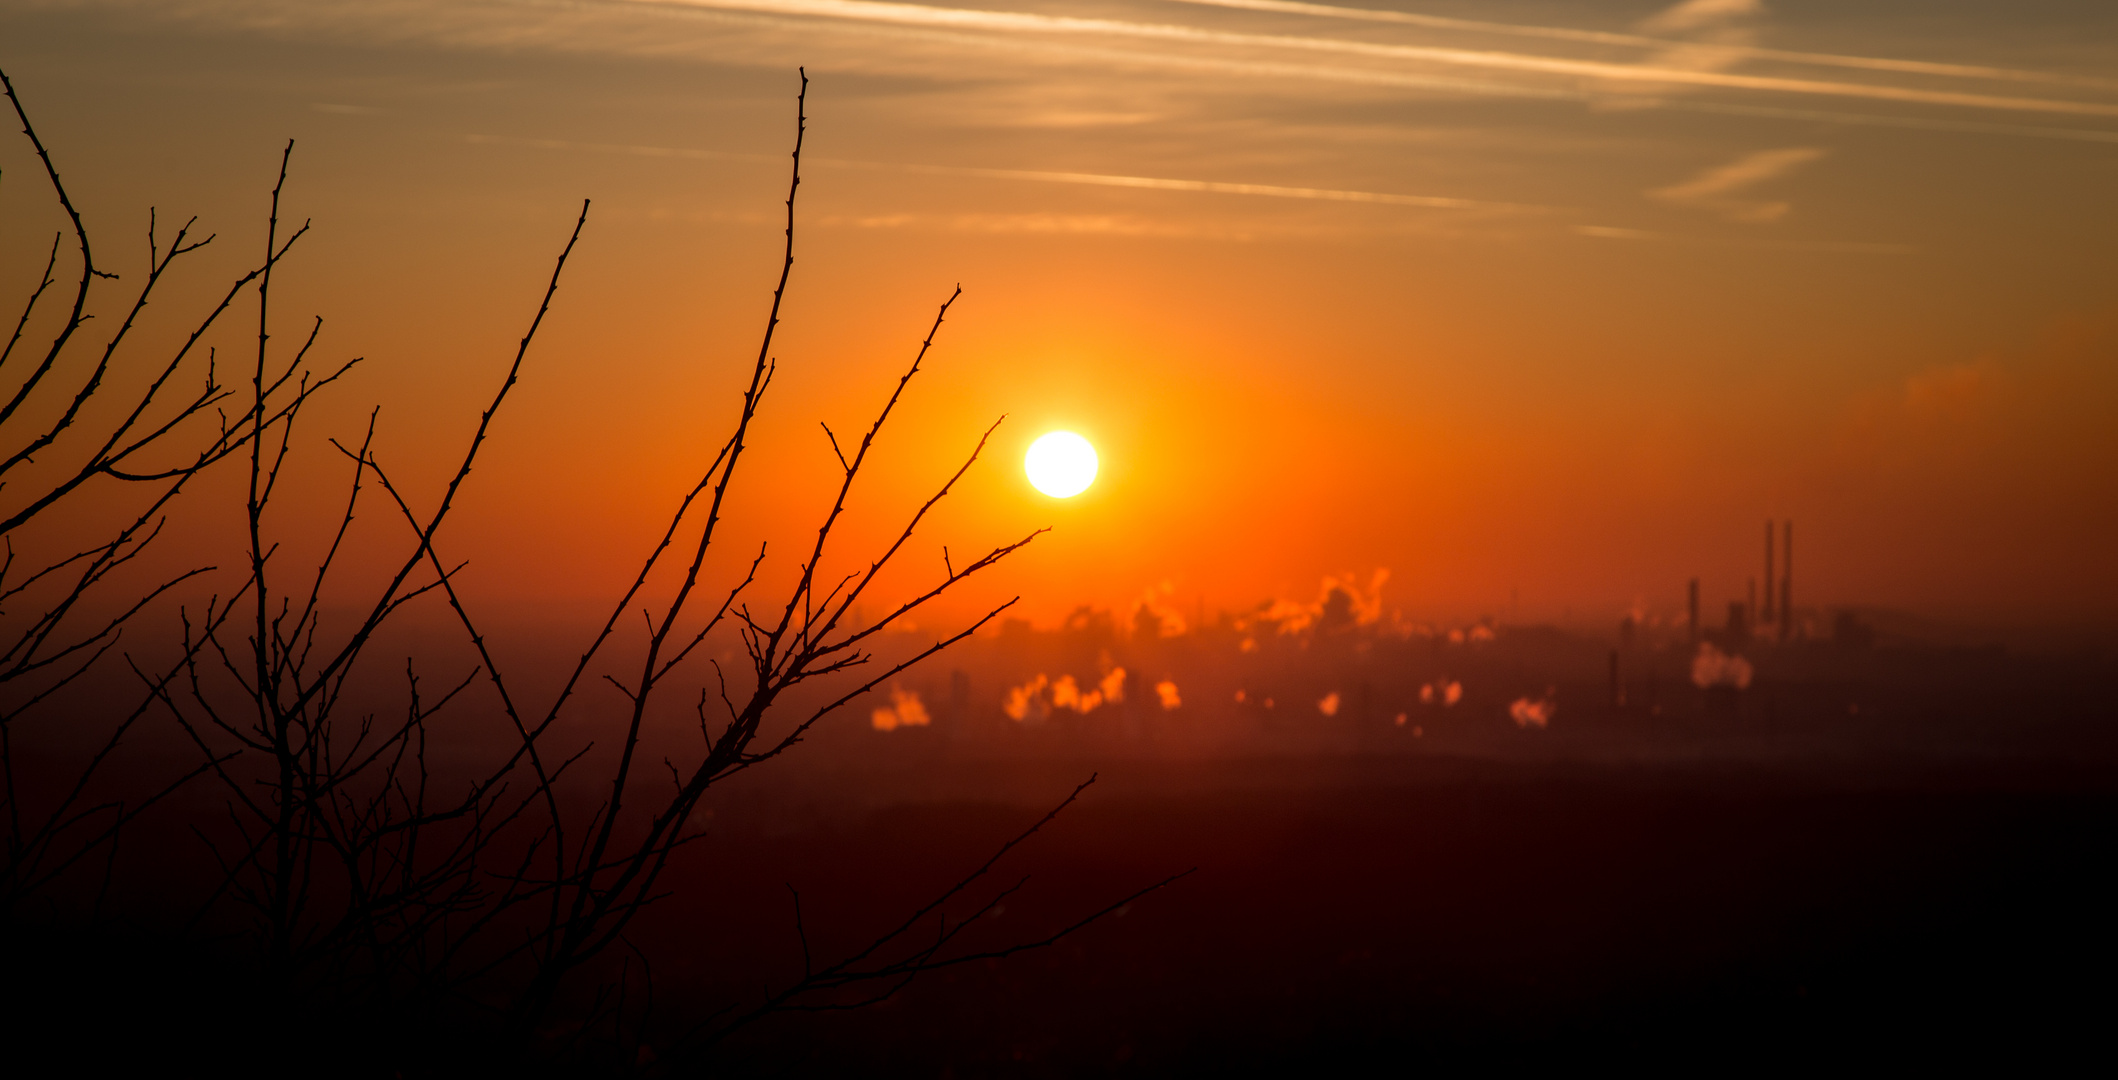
(1694,608)
(1750,606)
(1787,582)
(1765,613)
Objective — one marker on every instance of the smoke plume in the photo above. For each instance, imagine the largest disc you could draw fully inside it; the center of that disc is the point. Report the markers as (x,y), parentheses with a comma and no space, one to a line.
(1036,700)
(905,710)
(1532,712)
(1712,667)
(1167,692)
(1439,692)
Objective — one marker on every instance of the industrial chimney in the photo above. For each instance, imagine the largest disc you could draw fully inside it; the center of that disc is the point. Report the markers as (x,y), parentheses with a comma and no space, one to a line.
(1765,613)
(1694,608)
(1787,582)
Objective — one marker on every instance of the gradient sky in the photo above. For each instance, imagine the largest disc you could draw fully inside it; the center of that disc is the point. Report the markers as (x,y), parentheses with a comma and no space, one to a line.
(1543,307)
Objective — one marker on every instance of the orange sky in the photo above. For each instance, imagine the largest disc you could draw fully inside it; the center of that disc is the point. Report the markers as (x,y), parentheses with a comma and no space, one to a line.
(1525,317)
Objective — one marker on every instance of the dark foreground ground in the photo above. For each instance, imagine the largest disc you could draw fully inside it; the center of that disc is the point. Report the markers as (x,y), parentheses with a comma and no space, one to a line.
(1385,911)
(1408,912)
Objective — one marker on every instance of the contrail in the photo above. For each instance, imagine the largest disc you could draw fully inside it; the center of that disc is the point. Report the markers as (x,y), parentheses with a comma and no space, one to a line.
(1910,123)
(1599,37)
(972,19)
(1153,183)
(1437,202)
(1379,77)
(1361,76)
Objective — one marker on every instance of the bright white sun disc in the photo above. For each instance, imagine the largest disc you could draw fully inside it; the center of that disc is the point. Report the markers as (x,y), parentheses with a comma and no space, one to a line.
(1061,464)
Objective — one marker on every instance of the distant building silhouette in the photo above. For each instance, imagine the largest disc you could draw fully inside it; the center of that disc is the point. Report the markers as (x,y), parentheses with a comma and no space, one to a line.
(1849,632)
(1694,611)
(959,701)
(1765,613)
(1787,625)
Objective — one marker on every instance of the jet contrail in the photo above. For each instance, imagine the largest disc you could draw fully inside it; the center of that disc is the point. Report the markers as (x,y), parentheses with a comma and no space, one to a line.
(1153,183)
(972,19)
(1436,202)
(1909,123)
(1600,37)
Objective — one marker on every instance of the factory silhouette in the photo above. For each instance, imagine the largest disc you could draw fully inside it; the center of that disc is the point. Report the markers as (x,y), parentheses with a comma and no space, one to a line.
(1744,615)
(1343,673)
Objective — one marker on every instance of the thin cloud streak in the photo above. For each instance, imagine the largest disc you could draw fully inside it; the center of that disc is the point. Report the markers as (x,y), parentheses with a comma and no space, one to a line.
(1152,183)
(1274,191)
(1714,188)
(1744,172)
(881,11)
(459,32)
(1908,123)
(1641,41)
(1854,247)
(1071,50)
(1106,225)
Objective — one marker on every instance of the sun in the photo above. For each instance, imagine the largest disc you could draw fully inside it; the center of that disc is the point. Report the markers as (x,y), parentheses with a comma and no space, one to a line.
(1061,464)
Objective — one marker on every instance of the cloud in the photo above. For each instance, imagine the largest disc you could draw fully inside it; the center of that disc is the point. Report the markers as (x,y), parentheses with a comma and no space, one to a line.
(1947,418)
(1952,392)
(2012,443)
(1758,243)
(1020,24)
(1714,35)
(1745,171)
(1715,189)
(1217,187)
(920,40)
(1037,224)
(1602,37)
(1908,123)
(1694,15)
(905,710)
(1145,183)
